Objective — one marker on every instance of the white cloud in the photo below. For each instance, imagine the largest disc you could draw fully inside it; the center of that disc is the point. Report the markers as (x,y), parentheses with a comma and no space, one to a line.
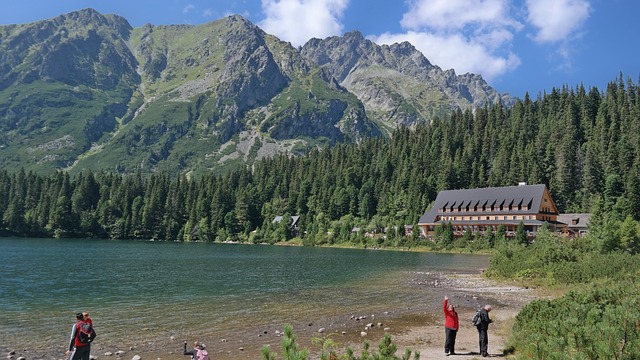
(189,8)
(464,35)
(456,14)
(556,20)
(456,52)
(207,13)
(297,21)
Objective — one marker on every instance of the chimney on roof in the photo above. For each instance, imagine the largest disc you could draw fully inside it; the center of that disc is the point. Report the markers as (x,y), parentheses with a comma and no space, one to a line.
(522,183)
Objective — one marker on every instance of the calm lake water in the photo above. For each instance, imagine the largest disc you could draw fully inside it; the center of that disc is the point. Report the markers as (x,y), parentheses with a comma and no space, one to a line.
(147,292)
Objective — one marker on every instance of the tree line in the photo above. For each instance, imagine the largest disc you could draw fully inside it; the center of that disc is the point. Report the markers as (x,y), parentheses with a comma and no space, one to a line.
(583,144)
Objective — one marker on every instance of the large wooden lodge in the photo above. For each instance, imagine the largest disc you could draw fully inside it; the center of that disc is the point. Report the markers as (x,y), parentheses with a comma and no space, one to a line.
(481,209)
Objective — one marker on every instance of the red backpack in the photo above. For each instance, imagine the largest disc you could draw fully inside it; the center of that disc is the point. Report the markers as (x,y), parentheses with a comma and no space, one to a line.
(85,334)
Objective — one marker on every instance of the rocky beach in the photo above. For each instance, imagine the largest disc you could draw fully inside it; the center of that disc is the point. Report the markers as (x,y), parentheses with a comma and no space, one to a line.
(418,328)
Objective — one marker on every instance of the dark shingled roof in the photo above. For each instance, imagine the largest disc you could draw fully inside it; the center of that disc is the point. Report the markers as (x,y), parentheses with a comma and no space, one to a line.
(580,220)
(530,195)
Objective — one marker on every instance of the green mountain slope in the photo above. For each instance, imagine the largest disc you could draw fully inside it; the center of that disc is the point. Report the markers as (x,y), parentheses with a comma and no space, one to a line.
(87,91)
(63,83)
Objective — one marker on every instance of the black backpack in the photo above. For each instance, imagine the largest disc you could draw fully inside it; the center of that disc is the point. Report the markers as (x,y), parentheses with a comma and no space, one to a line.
(477,318)
(86,334)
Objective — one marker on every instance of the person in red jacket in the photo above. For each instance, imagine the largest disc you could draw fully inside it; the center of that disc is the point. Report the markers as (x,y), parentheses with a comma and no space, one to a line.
(79,350)
(450,327)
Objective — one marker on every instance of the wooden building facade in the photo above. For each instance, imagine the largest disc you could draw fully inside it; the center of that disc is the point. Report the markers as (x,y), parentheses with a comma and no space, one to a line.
(481,209)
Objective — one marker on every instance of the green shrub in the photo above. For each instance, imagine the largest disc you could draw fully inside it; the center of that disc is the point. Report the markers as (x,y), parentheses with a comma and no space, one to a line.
(600,323)
(290,351)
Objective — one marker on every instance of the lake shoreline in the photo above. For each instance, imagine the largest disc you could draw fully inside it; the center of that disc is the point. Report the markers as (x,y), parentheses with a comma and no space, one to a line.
(415,328)
(149,297)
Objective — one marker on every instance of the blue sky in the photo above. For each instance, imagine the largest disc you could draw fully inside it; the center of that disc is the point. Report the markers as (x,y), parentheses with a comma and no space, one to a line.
(516,45)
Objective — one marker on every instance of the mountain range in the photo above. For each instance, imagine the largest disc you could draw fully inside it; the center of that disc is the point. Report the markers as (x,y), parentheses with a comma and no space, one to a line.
(88,91)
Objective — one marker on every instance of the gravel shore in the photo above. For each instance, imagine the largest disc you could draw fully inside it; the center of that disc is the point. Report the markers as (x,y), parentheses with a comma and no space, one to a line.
(470,292)
(417,328)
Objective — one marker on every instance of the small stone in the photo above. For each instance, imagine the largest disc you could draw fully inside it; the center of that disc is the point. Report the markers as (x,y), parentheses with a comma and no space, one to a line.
(136,357)
(108,353)
(363,334)
(321,330)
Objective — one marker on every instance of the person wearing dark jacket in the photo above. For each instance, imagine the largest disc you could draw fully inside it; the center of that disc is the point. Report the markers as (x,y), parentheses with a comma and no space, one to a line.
(77,349)
(483,329)
(450,327)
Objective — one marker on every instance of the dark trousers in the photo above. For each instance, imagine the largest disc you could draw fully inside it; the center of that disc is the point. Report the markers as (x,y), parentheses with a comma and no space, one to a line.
(450,340)
(484,340)
(80,353)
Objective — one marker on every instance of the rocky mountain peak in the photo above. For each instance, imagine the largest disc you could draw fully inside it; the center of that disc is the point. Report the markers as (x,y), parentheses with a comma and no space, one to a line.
(85,90)
(396,79)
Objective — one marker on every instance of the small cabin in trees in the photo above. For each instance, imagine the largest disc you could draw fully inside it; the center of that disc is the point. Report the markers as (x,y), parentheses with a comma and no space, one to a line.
(575,224)
(293,225)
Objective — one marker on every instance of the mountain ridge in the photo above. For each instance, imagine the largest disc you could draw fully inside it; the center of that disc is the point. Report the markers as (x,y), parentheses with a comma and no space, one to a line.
(88,91)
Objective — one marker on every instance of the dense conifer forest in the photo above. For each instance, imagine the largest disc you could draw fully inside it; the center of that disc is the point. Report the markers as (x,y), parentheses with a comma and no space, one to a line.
(583,144)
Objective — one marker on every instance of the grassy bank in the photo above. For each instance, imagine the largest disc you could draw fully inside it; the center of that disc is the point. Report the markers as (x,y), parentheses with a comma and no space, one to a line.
(598,317)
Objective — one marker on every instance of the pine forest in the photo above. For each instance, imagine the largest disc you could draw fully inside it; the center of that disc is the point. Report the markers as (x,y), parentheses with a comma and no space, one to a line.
(584,144)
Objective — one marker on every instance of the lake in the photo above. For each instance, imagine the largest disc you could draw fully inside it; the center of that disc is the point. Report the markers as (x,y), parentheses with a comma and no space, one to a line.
(156,294)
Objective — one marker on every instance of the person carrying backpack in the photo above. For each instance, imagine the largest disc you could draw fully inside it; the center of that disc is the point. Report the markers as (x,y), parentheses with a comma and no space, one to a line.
(483,328)
(82,335)
(198,352)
